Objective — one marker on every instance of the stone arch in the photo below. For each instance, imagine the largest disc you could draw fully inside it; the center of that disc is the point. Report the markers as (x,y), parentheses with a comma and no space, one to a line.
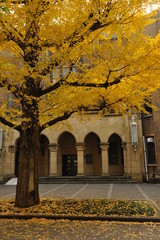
(92,152)
(115,152)
(67,154)
(65,134)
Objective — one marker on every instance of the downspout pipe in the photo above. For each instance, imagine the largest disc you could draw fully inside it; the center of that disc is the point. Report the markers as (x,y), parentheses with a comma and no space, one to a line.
(145,159)
(144,151)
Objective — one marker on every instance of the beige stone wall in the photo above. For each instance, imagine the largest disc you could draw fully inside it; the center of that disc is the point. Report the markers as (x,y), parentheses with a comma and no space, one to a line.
(85,130)
(80,127)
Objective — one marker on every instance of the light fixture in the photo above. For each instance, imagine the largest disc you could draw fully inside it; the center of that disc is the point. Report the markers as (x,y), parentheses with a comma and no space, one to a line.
(134,134)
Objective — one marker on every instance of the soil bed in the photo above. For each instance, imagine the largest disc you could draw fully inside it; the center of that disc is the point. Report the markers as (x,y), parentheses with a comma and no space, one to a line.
(88,207)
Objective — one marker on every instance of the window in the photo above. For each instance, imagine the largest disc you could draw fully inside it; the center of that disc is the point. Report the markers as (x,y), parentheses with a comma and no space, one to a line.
(57,73)
(89,159)
(151,156)
(148,108)
(65,71)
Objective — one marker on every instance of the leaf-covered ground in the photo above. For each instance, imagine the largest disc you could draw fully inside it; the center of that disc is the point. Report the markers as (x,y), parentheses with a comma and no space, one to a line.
(42,229)
(96,207)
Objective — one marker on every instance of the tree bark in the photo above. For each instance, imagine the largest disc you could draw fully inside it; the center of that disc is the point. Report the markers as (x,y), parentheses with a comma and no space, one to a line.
(27,192)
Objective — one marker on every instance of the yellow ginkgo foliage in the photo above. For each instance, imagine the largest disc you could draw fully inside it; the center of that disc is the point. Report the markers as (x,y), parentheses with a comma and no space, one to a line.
(63,56)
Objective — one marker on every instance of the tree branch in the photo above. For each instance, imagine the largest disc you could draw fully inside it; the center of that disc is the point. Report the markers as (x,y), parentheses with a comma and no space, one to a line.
(67,115)
(63,117)
(49,67)
(77,84)
(10,87)
(10,124)
(97,24)
(36,15)
(11,36)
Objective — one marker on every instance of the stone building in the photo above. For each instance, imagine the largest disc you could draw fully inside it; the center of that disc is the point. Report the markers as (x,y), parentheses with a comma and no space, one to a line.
(83,147)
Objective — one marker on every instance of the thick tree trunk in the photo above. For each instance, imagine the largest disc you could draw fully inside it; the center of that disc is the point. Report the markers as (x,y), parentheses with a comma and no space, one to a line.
(27,193)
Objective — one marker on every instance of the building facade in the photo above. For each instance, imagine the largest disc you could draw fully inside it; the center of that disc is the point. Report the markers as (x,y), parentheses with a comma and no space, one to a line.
(83,146)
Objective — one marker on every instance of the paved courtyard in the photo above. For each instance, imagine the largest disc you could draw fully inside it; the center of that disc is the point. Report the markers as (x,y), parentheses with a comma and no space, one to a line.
(142,191)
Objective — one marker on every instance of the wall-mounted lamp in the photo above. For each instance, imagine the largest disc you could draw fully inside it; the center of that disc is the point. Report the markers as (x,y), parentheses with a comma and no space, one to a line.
(134,134)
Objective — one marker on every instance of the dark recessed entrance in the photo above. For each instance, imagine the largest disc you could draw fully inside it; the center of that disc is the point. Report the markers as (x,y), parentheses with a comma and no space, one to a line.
(116,159)
(69,165)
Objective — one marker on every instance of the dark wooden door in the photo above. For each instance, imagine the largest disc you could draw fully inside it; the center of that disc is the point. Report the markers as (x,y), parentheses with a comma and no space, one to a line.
(69,165)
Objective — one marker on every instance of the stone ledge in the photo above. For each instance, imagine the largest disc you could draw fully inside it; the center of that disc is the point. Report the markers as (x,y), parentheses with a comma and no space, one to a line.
(83,218)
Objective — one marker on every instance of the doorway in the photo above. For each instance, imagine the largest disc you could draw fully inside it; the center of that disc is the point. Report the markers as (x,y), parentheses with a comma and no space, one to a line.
(116,159)
(67,155)
(69,165)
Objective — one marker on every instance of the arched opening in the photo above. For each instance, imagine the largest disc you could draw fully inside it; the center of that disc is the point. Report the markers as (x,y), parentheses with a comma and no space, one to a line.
(67,155)
(116,159)
(93,162)
(43,164)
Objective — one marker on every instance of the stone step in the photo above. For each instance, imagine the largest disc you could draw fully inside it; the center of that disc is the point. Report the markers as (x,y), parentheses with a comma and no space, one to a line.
(77,179)
(86,179)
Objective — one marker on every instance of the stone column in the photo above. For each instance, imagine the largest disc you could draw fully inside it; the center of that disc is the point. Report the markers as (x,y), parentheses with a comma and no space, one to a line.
(53,159)
(136,166)
(105,161)
(124,157)
(12,150)
(80,159)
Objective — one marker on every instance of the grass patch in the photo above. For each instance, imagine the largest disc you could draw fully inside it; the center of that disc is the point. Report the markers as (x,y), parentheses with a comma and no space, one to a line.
(88,207)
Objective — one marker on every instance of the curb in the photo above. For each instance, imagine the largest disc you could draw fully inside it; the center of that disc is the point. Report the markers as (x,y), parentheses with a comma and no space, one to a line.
(83,218)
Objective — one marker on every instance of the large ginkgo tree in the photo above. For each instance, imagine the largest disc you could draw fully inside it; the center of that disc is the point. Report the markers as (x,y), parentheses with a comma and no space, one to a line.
(59,57)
